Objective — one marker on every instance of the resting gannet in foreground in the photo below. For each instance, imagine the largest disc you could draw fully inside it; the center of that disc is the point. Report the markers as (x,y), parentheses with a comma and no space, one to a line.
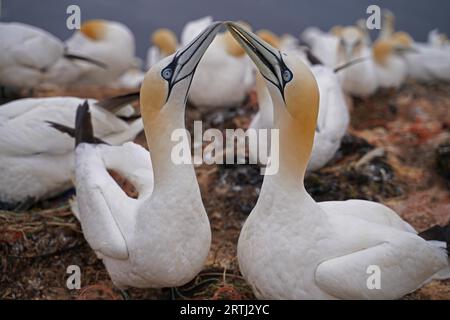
(165,43)
(107,41)
(233,73)
(162,238)
(27,54)
(333,119)
(36,161)
(292,247)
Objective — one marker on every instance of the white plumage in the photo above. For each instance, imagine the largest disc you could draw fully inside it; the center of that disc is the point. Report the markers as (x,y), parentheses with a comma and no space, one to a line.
(26,55)
(228,76)
(36,161)
(162,238)
(292,247)
(108,42)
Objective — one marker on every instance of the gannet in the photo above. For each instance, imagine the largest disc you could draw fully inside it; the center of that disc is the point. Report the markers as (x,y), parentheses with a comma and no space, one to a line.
(107,41)
(36,161)
(162,238)
(28,53)
(438,40)
(292,247)
(424,61)
(390,66)
(333,119)
(359,79)
(164,43)
(232,69)
(324,45)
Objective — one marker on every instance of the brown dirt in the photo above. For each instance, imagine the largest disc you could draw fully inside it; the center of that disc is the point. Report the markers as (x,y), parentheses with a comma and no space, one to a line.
(37,245)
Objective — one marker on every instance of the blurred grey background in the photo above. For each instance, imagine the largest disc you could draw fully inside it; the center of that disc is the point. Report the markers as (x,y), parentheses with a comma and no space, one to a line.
(143,16)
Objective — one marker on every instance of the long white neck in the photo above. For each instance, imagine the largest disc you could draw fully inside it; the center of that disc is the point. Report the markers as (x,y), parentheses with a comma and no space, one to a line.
(169,177)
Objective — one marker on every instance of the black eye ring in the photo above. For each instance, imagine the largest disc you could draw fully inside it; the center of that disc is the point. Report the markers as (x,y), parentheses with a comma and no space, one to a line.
(167,73)
(287,75)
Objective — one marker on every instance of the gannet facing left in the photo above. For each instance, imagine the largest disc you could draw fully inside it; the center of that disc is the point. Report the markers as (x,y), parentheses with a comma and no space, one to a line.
(162,238)
(292,247)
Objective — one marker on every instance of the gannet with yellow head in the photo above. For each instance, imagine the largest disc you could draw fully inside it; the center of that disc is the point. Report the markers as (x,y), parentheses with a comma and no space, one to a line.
(390,66)
(164,43)
(232,69)
(107,41)
(28,54)
(358,79)
(292,247)
(333,118)
(162,238)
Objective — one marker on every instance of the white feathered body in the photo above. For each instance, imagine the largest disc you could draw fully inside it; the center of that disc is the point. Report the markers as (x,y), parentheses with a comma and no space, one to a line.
(293,248)
(26,54)
(36,160)
(144,242)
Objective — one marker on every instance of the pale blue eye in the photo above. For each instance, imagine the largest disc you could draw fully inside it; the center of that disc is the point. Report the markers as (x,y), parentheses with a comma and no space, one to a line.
(287,75)
(167,73)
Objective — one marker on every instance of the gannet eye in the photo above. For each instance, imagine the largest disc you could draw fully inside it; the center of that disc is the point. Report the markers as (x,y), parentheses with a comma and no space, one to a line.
(167,73)
(287,75)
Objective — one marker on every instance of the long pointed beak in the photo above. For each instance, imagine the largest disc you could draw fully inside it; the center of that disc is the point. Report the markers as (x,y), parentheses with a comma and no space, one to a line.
(267,59)
(187,58)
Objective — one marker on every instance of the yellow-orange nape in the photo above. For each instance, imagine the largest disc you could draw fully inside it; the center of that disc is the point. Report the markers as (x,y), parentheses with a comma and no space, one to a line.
(166,40)
(94,29)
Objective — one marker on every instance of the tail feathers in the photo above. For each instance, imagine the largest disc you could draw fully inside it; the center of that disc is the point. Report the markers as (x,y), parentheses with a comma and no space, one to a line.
(71,56)
(114,104)
(83,132)
(438,233)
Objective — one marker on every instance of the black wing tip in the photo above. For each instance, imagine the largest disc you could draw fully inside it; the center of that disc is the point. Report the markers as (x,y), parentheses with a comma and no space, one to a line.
(62,128)
(114,104)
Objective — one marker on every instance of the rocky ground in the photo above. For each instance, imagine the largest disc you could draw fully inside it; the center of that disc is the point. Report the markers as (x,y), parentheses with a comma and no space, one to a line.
(397,152)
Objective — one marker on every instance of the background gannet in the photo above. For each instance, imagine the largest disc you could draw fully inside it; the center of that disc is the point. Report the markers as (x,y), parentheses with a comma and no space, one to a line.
(358,79)
(424,61)
(292,247)
(162,238)
(233,73)
(164,43)
(390,66)
(107,41)
(324,45)
(28,53)
(36,161)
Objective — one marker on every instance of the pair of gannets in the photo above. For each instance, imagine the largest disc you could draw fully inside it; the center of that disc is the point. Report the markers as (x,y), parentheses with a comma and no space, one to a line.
(36,161)
(333,118)
(29,53)
(292,247)
(110,42)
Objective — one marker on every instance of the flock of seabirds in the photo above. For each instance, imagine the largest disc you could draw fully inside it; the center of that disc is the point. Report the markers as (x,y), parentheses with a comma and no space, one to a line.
(290,247)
